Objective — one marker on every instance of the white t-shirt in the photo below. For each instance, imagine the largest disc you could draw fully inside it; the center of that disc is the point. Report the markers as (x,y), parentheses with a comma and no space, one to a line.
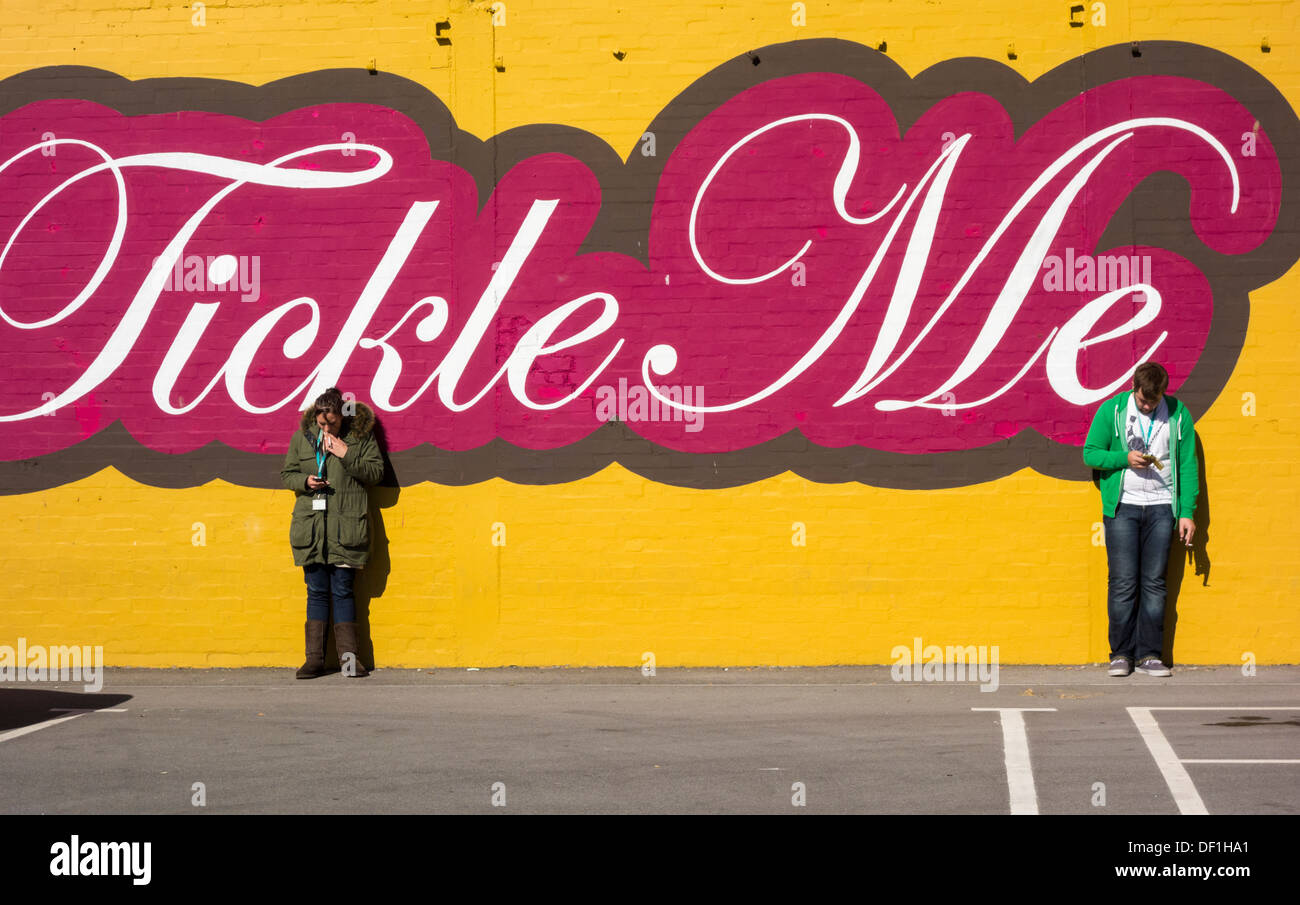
(1148,486)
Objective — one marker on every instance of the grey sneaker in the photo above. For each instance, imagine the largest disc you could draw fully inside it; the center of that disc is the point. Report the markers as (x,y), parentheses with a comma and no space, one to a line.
(1120,666)
(1153,667)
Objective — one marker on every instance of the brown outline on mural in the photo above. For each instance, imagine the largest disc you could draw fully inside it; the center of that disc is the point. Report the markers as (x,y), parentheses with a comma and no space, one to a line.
(628,189)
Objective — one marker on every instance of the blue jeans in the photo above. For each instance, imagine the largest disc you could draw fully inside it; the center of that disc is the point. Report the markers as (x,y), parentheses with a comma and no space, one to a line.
(324,581)
(1137,552)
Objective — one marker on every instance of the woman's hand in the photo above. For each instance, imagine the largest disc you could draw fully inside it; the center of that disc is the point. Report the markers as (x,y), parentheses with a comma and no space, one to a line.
(336,446)
(315,483)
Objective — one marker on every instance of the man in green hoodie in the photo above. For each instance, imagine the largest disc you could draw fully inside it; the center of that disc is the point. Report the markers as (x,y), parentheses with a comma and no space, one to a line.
(1144,445)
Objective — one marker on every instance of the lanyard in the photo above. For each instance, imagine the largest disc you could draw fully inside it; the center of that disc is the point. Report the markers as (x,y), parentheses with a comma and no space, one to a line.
(321,455)
(1150,432)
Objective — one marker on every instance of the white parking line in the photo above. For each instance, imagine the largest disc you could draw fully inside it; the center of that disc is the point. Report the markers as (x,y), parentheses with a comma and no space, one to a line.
(1171,765)
(1171,768)
(73,713)
(1015,747)
(26,730)
(1239,760)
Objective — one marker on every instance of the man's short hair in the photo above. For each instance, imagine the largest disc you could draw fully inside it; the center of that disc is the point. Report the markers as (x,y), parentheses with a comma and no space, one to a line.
(1152,379)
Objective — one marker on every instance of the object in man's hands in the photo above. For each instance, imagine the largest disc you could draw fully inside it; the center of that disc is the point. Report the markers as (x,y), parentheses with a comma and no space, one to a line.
(1153,461)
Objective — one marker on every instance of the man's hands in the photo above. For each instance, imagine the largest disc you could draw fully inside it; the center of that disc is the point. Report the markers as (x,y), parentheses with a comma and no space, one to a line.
(1137,459)
(1186,528)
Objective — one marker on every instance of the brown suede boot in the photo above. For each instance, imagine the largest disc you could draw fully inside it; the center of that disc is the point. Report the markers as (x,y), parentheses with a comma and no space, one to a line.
(345,639)
(315,665)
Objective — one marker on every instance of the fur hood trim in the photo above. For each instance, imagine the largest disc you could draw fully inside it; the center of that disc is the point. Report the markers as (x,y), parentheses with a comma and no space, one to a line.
(361,422)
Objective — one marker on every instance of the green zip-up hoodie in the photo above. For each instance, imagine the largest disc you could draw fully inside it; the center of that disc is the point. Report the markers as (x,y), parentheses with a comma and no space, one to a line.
(1106,450)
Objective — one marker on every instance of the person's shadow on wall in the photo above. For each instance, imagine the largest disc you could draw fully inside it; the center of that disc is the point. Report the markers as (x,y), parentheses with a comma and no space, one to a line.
(1180,556)
(372,581)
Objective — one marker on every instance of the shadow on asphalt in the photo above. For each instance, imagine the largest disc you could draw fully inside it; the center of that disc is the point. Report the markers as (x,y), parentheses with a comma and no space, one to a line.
(21,707)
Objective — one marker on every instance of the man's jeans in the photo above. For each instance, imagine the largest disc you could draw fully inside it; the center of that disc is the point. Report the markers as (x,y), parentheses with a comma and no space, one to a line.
(322,581)
(1137,551)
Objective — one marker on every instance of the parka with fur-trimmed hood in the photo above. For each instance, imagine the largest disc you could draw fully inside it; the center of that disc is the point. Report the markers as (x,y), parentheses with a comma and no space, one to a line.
(340,534)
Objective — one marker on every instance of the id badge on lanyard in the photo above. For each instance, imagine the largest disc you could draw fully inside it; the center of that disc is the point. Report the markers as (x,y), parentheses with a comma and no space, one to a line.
(318,501)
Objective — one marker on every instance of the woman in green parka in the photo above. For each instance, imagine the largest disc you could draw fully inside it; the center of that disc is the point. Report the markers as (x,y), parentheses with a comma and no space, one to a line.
(333,457)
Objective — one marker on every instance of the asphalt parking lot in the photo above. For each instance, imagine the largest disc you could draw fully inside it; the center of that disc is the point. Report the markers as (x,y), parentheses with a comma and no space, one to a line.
(847,740)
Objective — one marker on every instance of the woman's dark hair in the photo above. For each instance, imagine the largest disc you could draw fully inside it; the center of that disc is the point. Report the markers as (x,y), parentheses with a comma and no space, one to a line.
(330,401)
(1151,378)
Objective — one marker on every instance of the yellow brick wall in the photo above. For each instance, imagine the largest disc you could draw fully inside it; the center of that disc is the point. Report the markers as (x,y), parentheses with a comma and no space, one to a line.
(598,571)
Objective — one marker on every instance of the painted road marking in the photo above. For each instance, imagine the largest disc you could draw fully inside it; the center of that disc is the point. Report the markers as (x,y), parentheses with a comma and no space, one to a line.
(1239,760)
(73,713)
(1171,765)
(36,727)
(1015,747)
